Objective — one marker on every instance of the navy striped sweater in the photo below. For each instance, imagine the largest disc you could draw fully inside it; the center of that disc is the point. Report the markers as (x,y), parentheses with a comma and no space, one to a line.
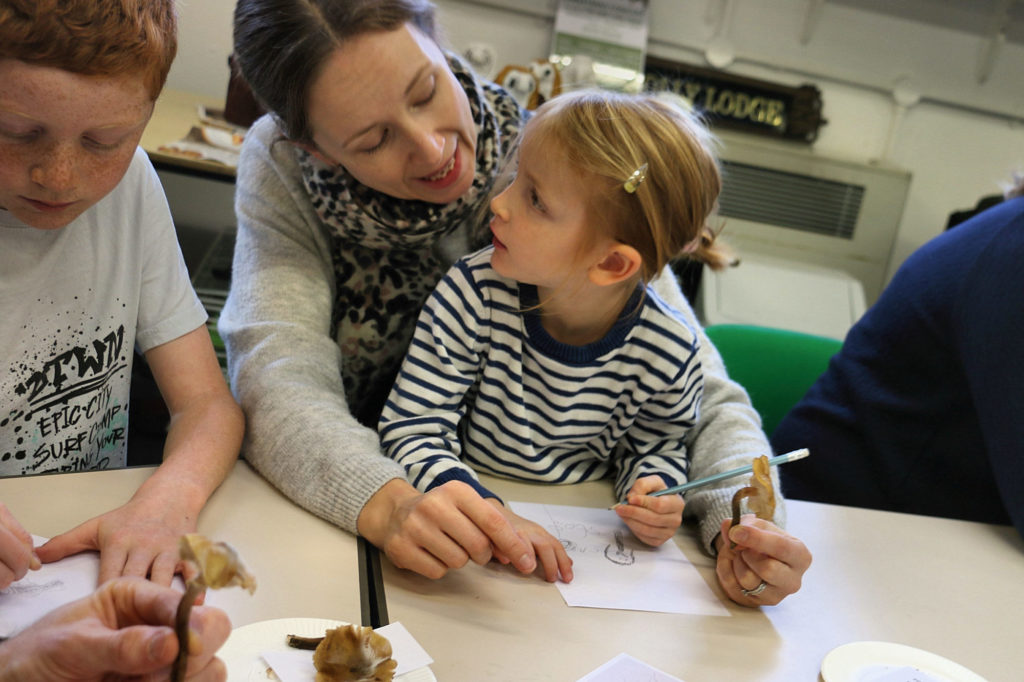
(484,387)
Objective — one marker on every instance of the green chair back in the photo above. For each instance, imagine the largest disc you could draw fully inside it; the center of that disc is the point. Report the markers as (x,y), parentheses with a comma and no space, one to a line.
(775,366)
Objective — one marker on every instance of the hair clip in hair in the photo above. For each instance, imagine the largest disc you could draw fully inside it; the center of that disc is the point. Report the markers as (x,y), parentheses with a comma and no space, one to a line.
(634,180)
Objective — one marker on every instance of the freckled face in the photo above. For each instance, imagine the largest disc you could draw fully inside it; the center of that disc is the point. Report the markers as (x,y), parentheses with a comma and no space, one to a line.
(66,139)
(387,107)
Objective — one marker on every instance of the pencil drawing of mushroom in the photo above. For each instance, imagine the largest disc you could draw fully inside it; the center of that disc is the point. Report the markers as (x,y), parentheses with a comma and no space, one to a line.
(619,554)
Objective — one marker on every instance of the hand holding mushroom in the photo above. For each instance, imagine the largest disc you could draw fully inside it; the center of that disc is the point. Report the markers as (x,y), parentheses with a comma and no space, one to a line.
(759,563)
(217,566)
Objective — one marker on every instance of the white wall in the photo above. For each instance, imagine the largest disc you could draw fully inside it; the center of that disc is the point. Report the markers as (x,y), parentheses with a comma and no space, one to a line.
(962,140)
(204,43)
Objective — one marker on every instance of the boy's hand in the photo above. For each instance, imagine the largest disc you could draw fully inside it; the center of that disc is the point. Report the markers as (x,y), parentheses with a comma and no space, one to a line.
(138,539)
(652,519)
(550,552)
(16,553)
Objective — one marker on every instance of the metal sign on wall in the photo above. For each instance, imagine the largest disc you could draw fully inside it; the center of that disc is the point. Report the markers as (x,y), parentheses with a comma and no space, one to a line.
(740,103)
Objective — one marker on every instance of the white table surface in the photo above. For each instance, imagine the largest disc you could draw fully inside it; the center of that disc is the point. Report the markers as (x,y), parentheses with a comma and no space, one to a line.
(950,587)
(953,588)
(304,567)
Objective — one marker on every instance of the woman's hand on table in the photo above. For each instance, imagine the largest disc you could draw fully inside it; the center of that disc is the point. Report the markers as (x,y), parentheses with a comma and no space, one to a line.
(652,519)
(548,549)
(137,539)
(125,629)
(16,553)
(763,552)
(443,529)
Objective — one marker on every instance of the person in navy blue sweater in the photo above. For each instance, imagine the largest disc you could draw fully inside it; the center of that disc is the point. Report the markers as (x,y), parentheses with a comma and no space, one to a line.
(922,411)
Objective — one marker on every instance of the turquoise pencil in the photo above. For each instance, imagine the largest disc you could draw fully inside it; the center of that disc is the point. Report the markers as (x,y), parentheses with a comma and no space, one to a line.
(772,461)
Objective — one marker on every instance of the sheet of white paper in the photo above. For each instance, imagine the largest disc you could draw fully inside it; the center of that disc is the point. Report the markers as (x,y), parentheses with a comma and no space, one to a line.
(624,667)
(53,585)
(614,570)
(297,666)
(39,592)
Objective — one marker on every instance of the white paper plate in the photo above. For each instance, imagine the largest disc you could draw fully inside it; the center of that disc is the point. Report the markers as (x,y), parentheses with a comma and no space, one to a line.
(242,652)
(865,661)
(219,137)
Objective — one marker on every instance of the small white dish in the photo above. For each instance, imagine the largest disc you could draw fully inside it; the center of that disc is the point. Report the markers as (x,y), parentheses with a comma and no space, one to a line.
(242,652)
(869,661)
(223,138)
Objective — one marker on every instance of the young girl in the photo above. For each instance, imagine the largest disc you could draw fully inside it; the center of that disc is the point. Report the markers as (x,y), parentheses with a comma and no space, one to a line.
(547,356)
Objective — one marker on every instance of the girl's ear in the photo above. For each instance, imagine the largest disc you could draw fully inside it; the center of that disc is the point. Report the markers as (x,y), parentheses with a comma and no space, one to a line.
(620,262)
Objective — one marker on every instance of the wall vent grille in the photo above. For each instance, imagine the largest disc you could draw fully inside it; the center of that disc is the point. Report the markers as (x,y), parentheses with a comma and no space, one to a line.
(785,199)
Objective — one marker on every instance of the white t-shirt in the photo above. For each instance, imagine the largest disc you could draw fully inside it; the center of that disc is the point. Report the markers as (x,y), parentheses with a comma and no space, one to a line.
(74,302)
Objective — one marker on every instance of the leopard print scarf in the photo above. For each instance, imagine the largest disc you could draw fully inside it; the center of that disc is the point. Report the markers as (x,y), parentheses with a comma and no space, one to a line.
(388,252)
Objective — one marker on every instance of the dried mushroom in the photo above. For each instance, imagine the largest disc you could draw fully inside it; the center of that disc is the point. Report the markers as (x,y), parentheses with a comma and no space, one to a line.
(760,494)
(218,565)
(351,653)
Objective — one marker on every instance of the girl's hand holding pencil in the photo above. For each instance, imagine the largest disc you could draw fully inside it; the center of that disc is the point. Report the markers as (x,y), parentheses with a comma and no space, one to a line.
(773,461)
(653,517)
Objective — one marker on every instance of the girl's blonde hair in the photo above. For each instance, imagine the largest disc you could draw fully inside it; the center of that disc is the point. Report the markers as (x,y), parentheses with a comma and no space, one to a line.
(607,136)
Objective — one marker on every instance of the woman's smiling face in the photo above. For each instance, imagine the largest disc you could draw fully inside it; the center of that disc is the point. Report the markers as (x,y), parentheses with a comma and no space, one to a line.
(387,107)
